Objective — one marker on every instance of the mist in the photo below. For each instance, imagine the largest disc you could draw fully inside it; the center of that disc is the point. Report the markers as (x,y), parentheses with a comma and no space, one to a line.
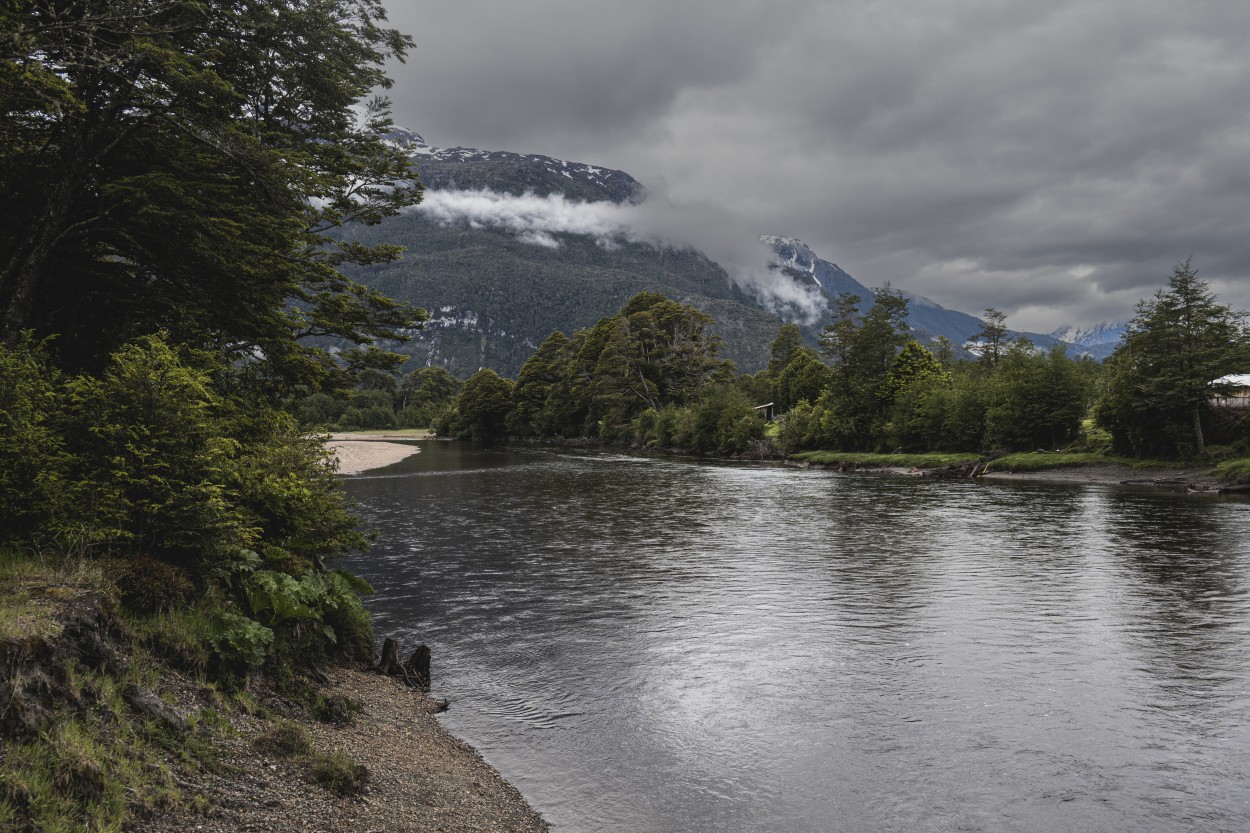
(722,236)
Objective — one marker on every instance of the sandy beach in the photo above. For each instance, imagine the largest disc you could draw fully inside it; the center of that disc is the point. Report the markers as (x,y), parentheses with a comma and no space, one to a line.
(359,453)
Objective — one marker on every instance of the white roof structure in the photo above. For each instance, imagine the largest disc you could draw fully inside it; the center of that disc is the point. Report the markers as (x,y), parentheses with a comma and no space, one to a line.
(1241,380)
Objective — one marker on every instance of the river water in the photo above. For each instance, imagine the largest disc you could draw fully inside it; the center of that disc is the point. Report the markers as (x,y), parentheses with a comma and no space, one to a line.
(654,645)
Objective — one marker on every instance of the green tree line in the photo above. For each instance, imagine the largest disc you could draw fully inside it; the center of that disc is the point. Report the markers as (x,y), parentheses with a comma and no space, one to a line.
(651,376)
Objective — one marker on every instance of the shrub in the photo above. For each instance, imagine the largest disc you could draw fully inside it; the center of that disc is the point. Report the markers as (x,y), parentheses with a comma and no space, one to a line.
(339,774)
(149,585)
(286,739)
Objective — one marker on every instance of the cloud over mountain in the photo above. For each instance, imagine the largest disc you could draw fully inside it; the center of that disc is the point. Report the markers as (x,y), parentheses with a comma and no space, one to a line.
(538,220)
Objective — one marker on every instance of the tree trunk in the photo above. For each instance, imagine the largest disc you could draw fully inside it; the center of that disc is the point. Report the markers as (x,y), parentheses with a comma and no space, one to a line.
(22,275)
(1200,446)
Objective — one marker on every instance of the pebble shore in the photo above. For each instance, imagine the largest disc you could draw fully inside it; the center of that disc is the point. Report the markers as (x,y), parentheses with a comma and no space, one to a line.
(421,778)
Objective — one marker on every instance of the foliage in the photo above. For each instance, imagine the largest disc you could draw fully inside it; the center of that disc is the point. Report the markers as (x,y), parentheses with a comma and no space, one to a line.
(652,354)
(181,163)
(149,585)
(1036,400)
(1159,381)
(33,461)
(483,406)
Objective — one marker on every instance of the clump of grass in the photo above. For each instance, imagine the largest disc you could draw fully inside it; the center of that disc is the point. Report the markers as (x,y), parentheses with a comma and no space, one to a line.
(286,739)
(338,710)
(1234,471)
(37,587)
(184,635)
(338,773)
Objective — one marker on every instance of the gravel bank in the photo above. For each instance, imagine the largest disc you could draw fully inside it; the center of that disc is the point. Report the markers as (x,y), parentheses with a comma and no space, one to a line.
(420,778)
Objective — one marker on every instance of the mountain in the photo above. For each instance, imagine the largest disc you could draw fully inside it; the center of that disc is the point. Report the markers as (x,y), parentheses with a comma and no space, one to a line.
(1098,341)
(494,294)
(927,318)
(498,283)
(470,169)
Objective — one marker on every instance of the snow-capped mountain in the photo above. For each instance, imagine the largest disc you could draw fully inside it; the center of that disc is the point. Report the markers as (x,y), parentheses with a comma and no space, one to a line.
(496,292)
(461,168)
(927,319)
(1097,342)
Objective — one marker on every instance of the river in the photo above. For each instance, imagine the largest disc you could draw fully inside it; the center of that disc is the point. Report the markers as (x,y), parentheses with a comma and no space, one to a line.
(657,645)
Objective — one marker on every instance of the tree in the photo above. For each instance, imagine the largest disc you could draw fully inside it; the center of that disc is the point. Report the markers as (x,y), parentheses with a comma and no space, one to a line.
(180,165)
(805,377)
(858,401)
(483,406)
(1036,400)
(542,372)
(992,337)
(789,339)
(1160,378)
(838,334)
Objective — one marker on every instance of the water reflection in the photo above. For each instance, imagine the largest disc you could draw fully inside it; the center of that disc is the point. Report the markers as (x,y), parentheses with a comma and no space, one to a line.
(647,644)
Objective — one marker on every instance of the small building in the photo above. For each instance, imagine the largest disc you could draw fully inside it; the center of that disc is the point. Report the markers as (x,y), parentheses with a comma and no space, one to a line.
(1236,393)
(769,412)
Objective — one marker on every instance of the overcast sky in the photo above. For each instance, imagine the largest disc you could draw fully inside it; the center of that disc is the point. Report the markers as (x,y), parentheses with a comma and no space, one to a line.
(1051,159)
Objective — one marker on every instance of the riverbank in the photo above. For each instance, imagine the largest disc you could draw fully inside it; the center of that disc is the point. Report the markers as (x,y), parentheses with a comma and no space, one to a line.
(113,720)
(360,451)
(1037,467)
(418,778)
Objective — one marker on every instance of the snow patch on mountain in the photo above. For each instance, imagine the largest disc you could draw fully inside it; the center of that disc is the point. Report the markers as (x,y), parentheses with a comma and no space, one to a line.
(1106,332)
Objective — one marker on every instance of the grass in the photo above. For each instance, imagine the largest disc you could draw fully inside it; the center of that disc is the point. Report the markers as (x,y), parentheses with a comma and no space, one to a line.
(338,773)
(97,761)
(1230,471)
(36,588)
(867,460)
(1039,461)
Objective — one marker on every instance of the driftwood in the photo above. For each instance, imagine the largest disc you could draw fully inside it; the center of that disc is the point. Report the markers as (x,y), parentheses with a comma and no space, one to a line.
(415,672)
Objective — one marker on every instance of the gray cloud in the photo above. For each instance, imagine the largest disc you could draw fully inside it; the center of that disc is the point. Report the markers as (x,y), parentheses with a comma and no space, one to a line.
(1049,159)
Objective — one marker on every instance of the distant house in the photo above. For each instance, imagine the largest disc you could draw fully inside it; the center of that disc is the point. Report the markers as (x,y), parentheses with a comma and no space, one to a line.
(1237,391)
(768,411)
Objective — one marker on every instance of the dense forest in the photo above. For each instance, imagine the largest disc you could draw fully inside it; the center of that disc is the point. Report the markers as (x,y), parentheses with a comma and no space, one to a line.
(651,377)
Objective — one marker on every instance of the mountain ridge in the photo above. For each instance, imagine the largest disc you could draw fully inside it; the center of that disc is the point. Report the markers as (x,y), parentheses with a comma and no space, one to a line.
(495,295)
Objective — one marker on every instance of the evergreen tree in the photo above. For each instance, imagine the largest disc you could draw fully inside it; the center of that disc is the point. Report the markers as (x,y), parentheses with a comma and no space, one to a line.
(1160,378)
(992,337)
(858,400)
(789,339)
(1036,400)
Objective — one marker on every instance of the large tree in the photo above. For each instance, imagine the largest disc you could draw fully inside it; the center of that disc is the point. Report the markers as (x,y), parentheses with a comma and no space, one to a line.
(1160,378)
(179,163)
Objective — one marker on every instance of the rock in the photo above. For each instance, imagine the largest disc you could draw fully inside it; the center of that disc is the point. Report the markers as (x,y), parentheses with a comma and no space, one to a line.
(145,702)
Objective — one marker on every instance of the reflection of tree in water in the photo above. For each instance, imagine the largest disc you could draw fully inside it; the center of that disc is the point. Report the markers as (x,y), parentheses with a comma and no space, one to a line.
(1184,564)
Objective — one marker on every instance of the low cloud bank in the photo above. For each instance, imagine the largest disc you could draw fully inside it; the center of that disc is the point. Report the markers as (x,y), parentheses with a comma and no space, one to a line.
(720,235)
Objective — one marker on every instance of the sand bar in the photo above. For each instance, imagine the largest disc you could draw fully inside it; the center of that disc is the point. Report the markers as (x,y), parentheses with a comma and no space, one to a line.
(356,455)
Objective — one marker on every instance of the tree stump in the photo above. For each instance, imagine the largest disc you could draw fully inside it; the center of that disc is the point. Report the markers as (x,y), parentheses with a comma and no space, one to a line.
(419,665)
(390,657)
